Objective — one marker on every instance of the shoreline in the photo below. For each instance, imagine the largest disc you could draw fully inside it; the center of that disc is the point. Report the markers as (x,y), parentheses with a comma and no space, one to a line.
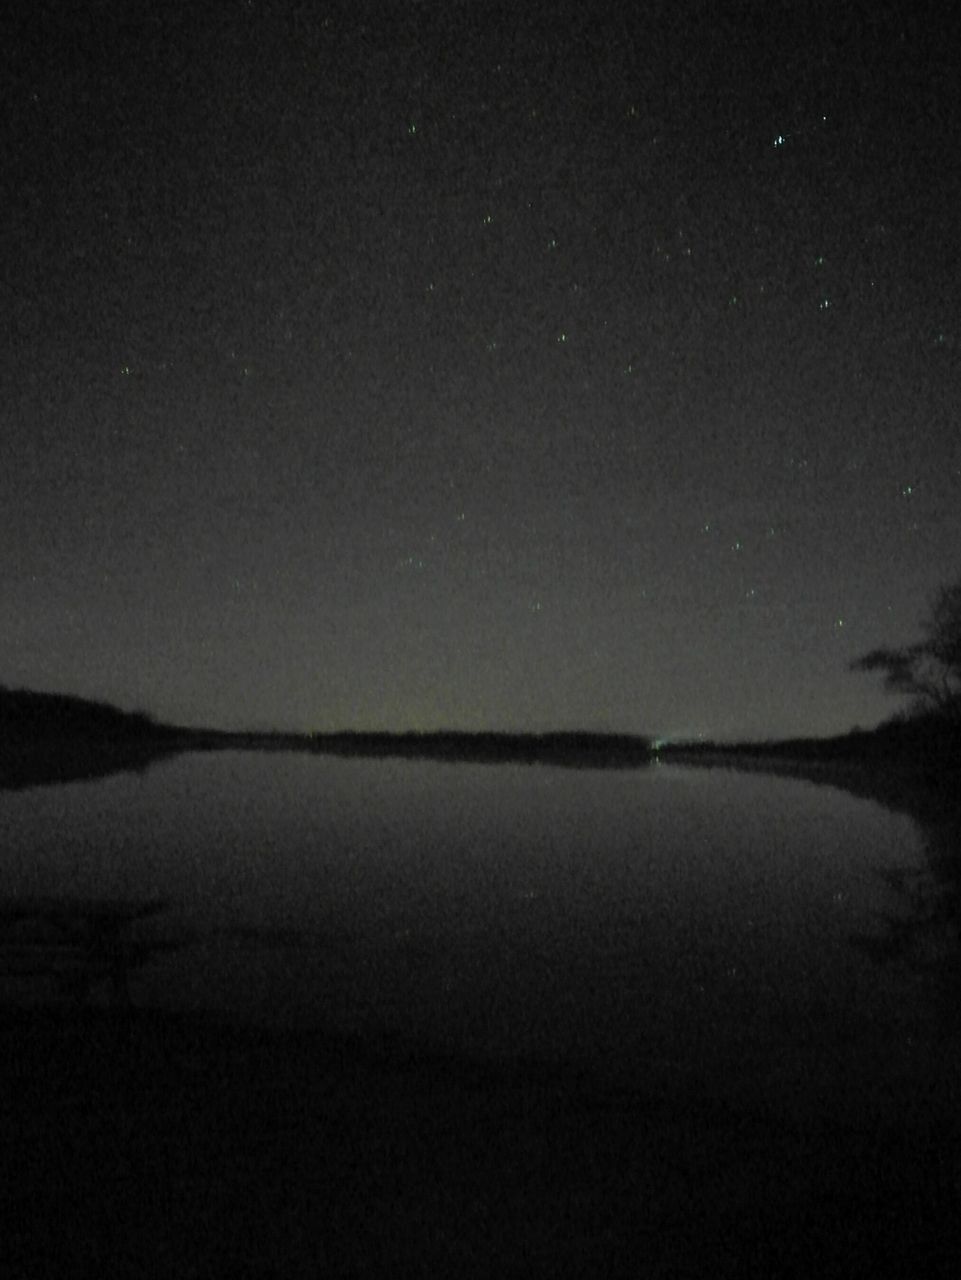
(26,762)
(148,1142)
(928,788)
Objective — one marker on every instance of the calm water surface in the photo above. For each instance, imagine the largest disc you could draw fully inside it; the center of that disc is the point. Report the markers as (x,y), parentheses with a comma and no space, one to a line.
(651,926)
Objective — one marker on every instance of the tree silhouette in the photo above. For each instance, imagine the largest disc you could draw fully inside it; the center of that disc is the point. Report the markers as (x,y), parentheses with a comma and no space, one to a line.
(930,670)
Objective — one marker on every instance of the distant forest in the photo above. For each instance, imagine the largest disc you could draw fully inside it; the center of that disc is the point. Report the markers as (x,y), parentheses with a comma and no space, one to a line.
(46,737)
(35,717)
(54,737)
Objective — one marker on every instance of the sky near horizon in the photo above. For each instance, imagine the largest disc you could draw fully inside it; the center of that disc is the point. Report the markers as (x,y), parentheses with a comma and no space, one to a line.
(474,365)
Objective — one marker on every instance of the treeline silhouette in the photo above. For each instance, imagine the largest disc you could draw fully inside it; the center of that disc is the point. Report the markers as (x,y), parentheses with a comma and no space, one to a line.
(576,749)
(56,737)
(52,737)
(30,715)
(910,740)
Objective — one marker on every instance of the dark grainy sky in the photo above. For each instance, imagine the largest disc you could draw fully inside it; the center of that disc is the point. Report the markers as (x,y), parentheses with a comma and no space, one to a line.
(477,365)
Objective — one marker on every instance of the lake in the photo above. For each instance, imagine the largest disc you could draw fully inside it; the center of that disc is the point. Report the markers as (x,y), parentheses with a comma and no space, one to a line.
(681,931)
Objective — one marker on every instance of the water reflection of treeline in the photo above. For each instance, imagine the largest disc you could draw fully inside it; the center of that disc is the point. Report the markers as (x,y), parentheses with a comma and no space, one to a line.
(908,766)
(51,738)
(926,932)
(72,948)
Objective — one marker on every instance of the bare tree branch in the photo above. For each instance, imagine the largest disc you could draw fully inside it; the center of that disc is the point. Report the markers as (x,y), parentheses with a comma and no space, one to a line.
(930,670)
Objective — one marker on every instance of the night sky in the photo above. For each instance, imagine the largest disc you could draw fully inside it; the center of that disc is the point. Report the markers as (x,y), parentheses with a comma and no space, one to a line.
(471,365)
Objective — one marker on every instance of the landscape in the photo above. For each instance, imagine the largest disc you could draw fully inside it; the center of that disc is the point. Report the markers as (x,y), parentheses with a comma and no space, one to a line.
(480,641)
(368,1140)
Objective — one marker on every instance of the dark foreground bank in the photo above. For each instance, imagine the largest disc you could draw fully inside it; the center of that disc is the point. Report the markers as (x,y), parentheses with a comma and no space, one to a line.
(159,1145)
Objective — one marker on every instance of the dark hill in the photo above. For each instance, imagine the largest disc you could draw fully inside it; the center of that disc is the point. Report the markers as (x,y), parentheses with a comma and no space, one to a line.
(55,737)
(28,714)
